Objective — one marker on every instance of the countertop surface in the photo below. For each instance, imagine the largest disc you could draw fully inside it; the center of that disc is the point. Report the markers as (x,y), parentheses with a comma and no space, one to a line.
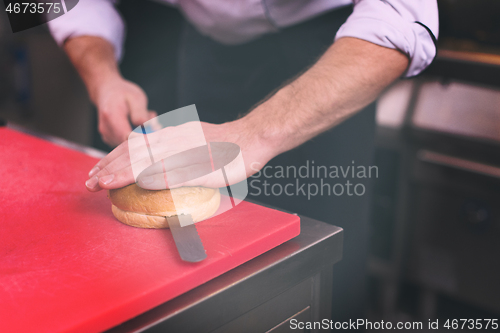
(66,264)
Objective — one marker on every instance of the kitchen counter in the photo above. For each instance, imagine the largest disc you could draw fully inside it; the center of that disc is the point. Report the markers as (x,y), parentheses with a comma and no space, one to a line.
(262,295)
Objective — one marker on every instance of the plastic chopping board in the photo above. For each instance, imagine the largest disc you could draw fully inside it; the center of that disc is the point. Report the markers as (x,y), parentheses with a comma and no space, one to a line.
(66,264)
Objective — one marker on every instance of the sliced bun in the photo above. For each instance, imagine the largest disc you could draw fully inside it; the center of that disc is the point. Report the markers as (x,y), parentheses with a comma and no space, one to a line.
(139,220)
(142,208)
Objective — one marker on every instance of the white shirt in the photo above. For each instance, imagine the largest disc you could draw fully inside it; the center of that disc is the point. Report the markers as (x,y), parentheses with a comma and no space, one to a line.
(389,23)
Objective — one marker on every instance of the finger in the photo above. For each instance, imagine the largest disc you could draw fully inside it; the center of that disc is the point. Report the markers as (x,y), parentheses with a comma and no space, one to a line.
(120,130)
(120,152)
(138,106)
(113,176)
(93,184)
(122,149)
(120,172)
(121,158)
(121,162)
(132,153)
(134,139)
(117,179)
(124,163)
(114,132)
(113,123)
(131,149)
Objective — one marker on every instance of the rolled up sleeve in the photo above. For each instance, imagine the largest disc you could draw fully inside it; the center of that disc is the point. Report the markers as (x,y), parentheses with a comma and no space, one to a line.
(90,18)
(409,26)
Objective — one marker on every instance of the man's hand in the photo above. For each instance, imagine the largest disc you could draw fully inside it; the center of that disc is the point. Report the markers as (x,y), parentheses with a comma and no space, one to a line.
(193,167)
(118,101)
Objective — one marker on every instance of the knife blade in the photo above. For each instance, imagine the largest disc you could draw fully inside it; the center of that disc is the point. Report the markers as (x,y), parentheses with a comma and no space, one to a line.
(186,239)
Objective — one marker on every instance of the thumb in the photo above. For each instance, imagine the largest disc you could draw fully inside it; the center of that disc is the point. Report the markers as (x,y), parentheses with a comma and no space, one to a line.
(152,114)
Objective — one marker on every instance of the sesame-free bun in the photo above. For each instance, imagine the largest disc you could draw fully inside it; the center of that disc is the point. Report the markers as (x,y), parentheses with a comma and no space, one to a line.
(142,208)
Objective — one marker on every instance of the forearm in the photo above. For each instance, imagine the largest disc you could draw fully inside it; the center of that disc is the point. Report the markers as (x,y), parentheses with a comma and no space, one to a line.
(349,76)
(94,59)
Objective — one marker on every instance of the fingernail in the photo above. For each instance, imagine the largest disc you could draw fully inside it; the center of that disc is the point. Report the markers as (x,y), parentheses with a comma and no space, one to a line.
(94,171)
(92,182)
(106,180)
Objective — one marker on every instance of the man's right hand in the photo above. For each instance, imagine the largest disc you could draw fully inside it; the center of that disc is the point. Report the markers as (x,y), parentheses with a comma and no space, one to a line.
(119,102)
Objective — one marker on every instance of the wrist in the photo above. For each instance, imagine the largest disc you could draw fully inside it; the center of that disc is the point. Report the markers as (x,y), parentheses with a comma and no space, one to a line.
(267,124)
(256,145)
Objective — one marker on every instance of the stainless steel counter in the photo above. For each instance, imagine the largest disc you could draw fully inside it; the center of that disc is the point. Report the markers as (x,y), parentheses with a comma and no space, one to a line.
(291,281)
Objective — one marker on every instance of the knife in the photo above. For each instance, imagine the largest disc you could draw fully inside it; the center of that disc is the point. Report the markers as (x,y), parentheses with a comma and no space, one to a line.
(185,235)
(186,238)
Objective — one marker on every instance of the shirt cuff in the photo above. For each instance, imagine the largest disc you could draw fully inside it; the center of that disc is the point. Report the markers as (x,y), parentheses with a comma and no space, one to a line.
(388,25)
(96,18)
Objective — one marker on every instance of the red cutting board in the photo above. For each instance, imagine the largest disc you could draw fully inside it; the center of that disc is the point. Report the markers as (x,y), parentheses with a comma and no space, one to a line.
(66,264)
